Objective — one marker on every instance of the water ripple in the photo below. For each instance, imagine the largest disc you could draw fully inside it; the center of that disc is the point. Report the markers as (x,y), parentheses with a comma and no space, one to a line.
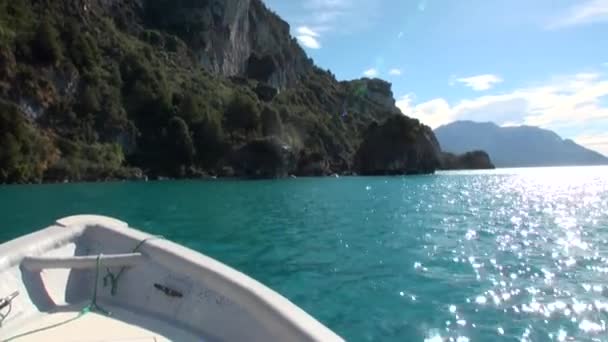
(508,255)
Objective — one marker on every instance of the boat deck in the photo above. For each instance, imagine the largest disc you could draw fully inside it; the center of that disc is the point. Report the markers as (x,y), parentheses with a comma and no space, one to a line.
(120,326)
(168,292)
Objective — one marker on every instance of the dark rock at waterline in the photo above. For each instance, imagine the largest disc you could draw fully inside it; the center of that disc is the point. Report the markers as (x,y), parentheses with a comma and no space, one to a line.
(475,160)
(313,164)
(226,172)
(400,145)
(263,158)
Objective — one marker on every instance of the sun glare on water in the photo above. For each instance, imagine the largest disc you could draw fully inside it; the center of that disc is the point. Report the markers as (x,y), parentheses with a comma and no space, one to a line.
(549,264)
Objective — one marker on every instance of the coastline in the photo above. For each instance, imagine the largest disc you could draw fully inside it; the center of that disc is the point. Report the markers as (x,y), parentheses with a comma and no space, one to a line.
(152,179)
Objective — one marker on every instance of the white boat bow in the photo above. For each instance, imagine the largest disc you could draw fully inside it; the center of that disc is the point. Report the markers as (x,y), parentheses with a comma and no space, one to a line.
(93,278)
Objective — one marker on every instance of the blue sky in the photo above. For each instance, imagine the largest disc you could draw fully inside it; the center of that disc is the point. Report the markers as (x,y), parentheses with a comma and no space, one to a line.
(536,62)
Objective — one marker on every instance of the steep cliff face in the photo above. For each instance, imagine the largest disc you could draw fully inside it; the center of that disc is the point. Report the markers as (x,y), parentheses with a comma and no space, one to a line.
(233,38)
(126,88)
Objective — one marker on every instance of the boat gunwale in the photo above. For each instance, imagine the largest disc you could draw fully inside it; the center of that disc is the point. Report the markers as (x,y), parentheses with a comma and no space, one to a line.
(276,313)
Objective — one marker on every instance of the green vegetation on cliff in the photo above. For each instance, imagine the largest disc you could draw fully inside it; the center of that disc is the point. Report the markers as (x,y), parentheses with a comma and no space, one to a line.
(25,153)
(94,89)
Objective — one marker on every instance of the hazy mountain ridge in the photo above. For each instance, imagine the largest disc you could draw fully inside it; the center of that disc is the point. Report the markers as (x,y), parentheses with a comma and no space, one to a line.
(520,146)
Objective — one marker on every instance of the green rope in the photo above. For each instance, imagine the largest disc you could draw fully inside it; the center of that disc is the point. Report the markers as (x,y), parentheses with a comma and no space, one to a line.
(82,313)
(112,279)
(92,307)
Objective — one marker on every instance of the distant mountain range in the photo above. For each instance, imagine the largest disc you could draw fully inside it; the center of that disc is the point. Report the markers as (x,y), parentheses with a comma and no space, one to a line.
(515,146)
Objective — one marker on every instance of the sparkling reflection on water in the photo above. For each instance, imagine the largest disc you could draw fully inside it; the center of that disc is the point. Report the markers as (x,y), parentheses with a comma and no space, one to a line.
(537,243)
(506,255)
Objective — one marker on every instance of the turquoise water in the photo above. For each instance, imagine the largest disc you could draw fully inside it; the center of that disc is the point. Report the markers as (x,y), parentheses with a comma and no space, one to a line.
(507,255)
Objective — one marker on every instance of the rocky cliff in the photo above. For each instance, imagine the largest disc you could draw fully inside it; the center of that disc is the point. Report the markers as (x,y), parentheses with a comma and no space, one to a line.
(398,146)
(233,37)
(475,160)
(102,89)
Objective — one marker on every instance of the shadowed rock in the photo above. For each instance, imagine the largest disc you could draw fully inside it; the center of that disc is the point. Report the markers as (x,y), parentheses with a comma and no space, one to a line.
(475,160)
(398,146)
(263,158)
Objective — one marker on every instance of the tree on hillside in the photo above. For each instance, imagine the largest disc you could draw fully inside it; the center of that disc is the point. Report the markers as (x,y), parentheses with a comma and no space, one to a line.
(181,148)
(25,154)
(208,141)
(46,45)
(242,114)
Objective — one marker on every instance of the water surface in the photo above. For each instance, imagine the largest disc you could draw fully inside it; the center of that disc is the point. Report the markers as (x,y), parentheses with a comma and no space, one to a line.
(505,255)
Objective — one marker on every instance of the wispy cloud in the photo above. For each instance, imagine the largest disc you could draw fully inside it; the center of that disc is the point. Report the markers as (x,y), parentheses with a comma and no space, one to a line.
(400,35)
(321,16)
(395,72)
(373,72)
(307,31)
(584,12)
(562,102)
(330,16)
(325,4)
(597,142)
(480,82)
(308,37)
(326,12)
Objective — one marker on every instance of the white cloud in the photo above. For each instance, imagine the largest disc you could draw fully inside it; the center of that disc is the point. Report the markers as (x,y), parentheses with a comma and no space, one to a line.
(395,72)
(434,113)
(308,37)
(307,31)
(309,42)
(568,101)
(585,12)
(480,82)
(373,72)
(400,35)
(597,142)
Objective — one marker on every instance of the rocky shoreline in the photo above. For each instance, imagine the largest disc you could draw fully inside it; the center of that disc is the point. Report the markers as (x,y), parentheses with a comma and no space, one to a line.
(129,89)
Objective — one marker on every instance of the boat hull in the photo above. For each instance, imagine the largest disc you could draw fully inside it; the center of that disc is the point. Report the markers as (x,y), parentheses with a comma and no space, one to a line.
(160,281)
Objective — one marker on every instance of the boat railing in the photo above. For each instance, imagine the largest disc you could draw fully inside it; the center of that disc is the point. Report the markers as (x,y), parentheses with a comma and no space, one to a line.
(82,262)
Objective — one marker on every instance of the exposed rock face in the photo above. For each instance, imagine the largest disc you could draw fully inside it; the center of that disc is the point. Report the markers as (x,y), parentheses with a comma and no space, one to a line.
(380,92)
(263,158)
(116,76)
(235,37)
(366,93)
(313,165)
(476,160)
(398,146)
